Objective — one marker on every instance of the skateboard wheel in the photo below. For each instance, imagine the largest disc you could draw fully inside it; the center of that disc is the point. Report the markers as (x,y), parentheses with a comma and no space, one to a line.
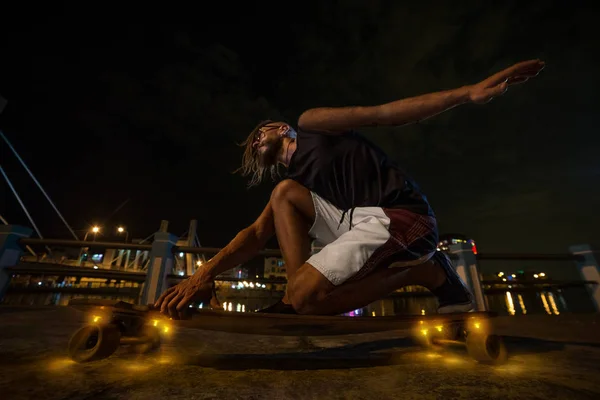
(94,342)
(486,349)
(152,340)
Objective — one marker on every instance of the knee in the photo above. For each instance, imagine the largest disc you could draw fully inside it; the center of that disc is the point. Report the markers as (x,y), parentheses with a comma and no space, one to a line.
(291,193)
(286,191)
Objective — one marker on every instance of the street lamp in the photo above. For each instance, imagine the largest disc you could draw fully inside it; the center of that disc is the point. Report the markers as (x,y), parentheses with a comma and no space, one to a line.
(121,229)
(95,229)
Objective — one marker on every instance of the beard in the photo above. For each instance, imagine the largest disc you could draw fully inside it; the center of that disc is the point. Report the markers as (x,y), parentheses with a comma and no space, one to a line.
(268,157)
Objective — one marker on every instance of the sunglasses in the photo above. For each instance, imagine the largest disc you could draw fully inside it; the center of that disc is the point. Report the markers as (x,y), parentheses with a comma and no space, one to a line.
(262,131)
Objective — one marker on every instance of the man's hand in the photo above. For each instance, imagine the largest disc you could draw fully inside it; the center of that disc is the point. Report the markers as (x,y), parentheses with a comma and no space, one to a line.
(498,83)
(175,300)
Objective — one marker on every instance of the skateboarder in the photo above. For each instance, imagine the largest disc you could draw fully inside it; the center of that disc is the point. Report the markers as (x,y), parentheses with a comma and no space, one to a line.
(377,228)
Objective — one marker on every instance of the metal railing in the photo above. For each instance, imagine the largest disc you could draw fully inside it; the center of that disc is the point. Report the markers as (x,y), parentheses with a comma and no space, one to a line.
(215,250)
(82,243)
(270,252)
(87,272)
(107,273)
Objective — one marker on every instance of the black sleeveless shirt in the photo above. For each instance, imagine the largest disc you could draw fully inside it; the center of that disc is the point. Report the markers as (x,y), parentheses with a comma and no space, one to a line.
(349,171)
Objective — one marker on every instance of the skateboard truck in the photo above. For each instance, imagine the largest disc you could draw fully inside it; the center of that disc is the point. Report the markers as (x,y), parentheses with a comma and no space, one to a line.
(114,325)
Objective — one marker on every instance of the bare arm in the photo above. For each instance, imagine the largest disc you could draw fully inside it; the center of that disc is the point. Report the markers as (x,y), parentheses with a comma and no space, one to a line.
(199,286)
(396,113)
(246,244)
(413,109)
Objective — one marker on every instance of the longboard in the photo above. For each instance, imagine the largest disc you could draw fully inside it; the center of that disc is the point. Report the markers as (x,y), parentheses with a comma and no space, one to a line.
(114,323)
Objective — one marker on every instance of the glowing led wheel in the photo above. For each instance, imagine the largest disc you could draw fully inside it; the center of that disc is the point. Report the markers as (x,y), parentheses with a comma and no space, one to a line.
(94,342)
(486,349)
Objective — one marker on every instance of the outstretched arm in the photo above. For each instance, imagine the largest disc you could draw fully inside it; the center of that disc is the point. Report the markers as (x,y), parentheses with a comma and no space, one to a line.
(396,113)
(413,109)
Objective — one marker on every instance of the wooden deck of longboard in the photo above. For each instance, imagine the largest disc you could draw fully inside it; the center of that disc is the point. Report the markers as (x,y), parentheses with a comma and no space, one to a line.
(289,325)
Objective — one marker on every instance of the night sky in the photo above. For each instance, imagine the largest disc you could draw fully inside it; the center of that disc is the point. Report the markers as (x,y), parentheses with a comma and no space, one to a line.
(107,109)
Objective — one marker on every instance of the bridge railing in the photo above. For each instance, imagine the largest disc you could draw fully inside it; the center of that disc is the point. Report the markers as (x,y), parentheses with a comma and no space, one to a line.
(164,247)
(535,257)
(583,258)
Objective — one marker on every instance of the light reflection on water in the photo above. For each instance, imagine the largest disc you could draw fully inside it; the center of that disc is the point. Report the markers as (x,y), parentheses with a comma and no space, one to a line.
(552,302)
(505,303)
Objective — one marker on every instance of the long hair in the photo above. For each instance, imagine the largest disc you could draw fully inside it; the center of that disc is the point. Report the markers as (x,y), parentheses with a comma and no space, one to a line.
(250,159)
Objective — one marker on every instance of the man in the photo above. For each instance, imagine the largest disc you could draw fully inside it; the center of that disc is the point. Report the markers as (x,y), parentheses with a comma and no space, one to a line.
(378,230)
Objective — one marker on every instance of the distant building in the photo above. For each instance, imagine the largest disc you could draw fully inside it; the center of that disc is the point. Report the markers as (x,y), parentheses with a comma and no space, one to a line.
(274,268)
(454,238)
(519,275)
(238,272)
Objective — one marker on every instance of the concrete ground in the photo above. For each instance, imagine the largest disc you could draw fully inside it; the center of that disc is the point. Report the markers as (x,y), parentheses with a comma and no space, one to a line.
(550,357)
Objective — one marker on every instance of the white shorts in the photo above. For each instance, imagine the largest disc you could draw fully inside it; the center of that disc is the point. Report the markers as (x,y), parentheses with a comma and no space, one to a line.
(379,237)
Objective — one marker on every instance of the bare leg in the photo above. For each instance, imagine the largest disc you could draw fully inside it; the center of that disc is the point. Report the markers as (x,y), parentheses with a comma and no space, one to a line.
(311,293)
(294,214)
(214,300)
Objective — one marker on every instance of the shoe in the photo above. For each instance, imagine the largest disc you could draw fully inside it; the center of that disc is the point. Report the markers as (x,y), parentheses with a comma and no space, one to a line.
(278,308)
(453,295)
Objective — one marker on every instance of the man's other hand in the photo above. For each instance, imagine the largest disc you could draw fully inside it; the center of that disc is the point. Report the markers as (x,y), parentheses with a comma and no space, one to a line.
(498,83)
(175,300)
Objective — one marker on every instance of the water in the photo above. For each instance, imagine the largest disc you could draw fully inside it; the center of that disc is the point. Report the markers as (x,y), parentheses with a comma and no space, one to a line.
(552,302)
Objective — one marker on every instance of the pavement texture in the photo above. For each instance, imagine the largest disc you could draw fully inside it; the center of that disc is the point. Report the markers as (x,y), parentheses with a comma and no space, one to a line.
(549,357)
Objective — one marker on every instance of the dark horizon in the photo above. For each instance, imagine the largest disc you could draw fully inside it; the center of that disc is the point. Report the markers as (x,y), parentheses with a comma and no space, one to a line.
(150,114)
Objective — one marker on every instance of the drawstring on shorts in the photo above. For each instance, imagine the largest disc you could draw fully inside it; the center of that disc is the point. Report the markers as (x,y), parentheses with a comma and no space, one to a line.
(344,214)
